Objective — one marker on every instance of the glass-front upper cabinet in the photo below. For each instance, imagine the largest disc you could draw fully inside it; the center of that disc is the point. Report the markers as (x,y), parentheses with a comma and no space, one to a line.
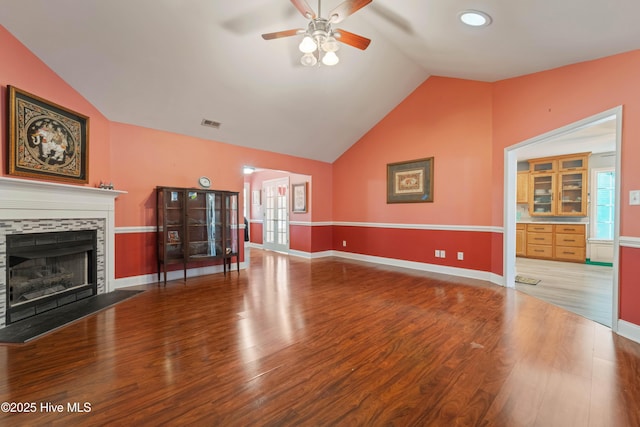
(578,162)
(541,191)
(542,165)
(558,185)
(573,194)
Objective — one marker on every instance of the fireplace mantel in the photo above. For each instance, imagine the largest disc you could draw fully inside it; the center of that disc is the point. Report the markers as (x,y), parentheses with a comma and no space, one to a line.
(22,199)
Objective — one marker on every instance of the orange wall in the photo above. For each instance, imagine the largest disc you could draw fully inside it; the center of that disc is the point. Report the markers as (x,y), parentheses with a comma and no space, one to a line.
(532,105)
(449,119)
(19,67)
(144,158)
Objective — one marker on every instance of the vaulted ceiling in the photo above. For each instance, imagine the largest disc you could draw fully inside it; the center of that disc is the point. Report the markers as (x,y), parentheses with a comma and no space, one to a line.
(169,64)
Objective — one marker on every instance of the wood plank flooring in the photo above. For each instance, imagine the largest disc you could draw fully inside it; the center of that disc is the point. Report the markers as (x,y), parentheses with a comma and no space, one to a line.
(583,289)
(327,342)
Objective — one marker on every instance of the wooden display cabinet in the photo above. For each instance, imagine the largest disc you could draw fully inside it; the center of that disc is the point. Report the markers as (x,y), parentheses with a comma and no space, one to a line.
(558,186)
(196,225)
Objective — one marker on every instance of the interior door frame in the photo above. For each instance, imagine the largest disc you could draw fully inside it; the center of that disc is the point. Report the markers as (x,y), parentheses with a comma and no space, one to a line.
(269,246)
(509,213)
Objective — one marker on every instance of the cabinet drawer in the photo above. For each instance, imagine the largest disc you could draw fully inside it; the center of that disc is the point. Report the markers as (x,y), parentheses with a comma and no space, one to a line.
(578,229)
(570,240)
(539,251)
(570,253)
(521,226)
(540,228)
(540,238)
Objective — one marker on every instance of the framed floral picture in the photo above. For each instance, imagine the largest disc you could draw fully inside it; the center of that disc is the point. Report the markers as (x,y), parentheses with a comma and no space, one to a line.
(299,197)
(410,181)
(46,140)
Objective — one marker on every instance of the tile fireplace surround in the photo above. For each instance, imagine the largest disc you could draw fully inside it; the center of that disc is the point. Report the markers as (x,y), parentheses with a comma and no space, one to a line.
(28,206)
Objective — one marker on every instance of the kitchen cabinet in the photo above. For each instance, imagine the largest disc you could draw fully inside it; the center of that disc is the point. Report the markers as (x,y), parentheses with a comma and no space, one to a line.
(558,186)
(540,241)
(560,242)
(521,240)
(570,243)
(522,193)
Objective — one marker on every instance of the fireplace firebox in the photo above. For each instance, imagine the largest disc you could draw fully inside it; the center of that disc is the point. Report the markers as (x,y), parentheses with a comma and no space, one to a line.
(49,270)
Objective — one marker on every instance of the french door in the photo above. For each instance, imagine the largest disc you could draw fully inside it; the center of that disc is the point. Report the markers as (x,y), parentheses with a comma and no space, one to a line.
(276,214)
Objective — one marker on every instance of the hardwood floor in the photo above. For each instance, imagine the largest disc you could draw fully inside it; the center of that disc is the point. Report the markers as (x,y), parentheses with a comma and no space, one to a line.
(294,342)
(583,289)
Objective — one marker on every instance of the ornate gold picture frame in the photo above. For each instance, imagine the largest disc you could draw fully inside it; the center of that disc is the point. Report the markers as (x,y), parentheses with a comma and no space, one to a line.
(46,140)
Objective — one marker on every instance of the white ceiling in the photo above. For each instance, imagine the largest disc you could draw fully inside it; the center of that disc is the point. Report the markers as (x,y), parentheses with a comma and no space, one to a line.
(168,64)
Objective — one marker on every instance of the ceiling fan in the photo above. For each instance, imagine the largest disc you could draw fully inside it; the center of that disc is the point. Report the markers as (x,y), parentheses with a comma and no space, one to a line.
(320,41)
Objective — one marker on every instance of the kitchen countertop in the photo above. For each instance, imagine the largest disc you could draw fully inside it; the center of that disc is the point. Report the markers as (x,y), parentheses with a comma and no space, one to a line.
(529,221)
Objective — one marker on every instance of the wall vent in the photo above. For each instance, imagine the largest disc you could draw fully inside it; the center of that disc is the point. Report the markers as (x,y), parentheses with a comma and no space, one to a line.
(210,123)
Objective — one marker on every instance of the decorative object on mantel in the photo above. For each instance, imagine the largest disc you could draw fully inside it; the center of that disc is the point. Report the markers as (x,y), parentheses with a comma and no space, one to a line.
(320,41)
(299,196)
(46,140)
(410,181)
(106,186)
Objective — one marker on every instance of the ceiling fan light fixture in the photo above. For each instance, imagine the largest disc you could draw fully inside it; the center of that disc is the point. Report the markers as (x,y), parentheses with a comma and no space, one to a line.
(330,44)
(475,18)
(308,59)
(330,59)
(307,45)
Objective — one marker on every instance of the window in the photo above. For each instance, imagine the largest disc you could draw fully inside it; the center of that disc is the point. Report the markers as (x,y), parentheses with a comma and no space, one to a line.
(604,204)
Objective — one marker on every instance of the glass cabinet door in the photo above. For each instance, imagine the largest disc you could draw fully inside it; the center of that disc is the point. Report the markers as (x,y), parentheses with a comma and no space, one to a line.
(231,222)
(541,194)
(171,218)
(542,166)
(205,224)
(572,194)
(572,163)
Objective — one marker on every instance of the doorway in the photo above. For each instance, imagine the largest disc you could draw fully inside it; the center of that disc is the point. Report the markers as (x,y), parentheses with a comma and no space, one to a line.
(510,166)
(276,214)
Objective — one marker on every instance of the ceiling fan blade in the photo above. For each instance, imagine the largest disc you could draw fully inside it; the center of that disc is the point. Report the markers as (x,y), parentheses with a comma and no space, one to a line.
(349,7)
(353,39)
(279,34)
(304,8)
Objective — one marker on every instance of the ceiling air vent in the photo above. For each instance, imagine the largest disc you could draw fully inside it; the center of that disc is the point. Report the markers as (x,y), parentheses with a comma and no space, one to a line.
(210,123)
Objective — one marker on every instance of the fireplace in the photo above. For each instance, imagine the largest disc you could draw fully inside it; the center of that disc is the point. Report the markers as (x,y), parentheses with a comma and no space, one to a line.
(49,270)
(37,208)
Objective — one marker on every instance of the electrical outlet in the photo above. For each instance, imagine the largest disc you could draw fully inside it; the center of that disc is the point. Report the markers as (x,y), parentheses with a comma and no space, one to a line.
(460,256)
(634,197)
(437,253)
(442,254)
(344,243)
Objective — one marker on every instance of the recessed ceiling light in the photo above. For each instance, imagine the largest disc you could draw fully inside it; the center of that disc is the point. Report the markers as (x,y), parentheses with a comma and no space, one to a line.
(475,18)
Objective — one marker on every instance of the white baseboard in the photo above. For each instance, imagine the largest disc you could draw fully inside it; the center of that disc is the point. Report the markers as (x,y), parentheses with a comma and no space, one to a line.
(311,255)
(147,279)
(434,268)
(629,330)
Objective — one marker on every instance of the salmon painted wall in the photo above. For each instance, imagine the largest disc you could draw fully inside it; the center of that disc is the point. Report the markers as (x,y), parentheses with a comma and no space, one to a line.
(532,105)
(144,158)
(19,67)
(450,120)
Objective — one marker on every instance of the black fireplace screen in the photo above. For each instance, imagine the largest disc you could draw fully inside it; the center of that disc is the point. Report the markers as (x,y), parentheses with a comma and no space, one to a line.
(47,270)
